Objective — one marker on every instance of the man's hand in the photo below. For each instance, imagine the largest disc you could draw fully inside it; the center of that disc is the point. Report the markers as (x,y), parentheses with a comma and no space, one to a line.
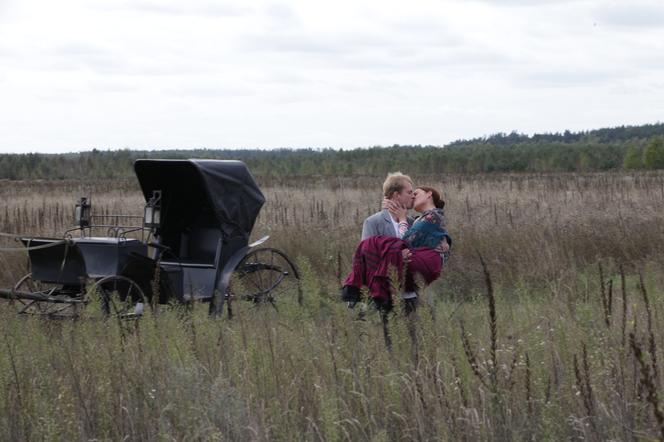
(443,247)
(396,209)
(406,253)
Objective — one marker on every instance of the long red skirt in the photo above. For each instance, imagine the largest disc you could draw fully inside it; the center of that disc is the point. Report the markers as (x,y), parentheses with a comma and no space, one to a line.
(379,257)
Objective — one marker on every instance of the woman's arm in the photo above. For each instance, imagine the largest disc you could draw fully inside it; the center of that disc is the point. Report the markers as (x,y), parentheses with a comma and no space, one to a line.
(428,231)
(400,213)
(403,228)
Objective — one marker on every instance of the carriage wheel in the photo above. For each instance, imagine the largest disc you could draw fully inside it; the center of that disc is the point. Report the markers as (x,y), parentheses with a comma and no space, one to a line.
(51,309)
(265,276)
(120,297)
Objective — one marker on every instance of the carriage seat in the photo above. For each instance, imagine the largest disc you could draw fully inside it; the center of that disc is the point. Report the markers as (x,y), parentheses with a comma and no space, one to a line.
(198,251)
(200,247)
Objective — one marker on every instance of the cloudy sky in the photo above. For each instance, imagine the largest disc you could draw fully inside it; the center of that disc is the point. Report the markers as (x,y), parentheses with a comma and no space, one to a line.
(157,74)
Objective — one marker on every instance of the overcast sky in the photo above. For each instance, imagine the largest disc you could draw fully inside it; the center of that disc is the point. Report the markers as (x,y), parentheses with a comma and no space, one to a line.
(143,74)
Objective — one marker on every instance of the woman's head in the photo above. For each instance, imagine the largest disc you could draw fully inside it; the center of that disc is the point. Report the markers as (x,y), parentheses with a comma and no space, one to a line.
(427,198)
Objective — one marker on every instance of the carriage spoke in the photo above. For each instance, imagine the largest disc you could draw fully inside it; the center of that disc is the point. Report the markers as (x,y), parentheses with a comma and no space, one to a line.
(271,267)
(120,297)
(266,276)
(46,290)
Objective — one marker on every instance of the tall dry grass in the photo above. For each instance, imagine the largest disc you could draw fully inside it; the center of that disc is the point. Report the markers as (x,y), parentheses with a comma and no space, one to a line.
(537,226)
(537,368)
(557,336)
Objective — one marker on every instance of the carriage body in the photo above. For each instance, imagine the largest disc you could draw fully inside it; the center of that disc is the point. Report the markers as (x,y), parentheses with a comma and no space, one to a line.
(67,262)
(199,243)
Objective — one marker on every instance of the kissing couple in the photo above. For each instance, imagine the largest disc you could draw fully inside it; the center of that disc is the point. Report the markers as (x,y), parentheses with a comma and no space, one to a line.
(395,244)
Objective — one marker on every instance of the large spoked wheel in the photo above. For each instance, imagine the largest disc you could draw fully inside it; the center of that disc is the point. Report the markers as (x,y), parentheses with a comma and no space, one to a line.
(63,302)
(265,276)
(120,297)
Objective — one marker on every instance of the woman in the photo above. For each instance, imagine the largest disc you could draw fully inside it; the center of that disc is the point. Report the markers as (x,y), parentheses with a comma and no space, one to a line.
(377,257)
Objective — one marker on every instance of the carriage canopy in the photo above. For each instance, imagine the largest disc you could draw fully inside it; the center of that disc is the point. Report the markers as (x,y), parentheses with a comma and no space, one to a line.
(202,193)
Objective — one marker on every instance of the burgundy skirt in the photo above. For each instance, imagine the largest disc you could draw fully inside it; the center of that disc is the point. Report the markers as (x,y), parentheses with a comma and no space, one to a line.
(378,258)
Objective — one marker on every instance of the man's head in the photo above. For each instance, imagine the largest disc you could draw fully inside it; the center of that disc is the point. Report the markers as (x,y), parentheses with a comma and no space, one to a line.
(399,188)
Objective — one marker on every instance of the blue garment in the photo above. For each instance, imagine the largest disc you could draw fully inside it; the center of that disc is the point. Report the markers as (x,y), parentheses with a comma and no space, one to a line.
(425,234)
(428,230)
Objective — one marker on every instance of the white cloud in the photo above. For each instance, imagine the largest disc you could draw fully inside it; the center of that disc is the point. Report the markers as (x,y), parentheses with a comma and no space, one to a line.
(209,9)
(117,73)
(638,14)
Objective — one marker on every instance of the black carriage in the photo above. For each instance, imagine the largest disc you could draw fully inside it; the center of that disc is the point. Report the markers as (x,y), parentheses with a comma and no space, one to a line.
(192,245)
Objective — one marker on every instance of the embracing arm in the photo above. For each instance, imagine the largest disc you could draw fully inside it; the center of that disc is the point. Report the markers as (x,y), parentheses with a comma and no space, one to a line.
(400,213)
(438,217)
(403,228)
(444,245)
(443,248)
(429,231)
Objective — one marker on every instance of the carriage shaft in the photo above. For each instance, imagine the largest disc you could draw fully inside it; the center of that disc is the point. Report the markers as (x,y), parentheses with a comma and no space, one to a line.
(27,296)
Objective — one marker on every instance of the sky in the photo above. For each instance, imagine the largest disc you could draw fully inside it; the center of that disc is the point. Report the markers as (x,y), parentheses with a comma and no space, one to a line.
(162,74)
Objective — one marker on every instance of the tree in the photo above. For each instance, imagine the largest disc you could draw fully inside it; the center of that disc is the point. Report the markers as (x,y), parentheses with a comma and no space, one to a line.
(632,158)
(653,155)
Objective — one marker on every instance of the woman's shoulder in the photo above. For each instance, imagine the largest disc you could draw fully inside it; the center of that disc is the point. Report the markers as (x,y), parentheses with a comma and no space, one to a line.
(432,214)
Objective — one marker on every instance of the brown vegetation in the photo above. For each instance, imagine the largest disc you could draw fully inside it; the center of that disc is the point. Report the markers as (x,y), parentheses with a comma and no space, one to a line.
(526,343)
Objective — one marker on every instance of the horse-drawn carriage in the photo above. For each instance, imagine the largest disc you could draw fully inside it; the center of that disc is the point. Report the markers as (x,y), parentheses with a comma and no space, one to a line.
(192,244)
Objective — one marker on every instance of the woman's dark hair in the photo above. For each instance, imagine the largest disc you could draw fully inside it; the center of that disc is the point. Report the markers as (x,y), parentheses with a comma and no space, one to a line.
(435,195)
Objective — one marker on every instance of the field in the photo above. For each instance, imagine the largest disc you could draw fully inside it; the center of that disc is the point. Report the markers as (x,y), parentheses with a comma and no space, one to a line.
(558,336)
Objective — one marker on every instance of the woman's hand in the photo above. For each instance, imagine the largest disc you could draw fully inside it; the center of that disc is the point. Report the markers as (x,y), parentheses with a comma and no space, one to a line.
(396,209)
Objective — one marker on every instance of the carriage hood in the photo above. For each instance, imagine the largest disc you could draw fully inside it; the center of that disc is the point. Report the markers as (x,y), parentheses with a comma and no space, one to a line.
(202,193)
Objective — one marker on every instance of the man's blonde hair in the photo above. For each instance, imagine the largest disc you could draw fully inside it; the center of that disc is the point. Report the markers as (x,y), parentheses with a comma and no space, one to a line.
(395,182)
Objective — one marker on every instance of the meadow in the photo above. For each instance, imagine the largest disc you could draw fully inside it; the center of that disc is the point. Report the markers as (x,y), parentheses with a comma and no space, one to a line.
(546,325)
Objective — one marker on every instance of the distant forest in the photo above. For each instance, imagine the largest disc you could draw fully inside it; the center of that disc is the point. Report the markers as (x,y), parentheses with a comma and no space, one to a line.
(625,147)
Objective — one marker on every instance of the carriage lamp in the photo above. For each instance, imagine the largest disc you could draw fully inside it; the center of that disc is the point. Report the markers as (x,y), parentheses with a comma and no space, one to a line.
(152,215)
(82,212)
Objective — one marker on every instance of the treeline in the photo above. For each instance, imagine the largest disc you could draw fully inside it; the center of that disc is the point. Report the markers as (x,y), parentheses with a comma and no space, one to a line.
(629,147)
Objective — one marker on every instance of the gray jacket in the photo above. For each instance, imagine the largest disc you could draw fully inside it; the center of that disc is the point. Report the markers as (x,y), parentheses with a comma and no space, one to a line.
(380,224)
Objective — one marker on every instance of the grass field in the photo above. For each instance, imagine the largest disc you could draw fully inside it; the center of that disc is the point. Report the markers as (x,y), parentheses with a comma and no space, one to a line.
(558,337)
